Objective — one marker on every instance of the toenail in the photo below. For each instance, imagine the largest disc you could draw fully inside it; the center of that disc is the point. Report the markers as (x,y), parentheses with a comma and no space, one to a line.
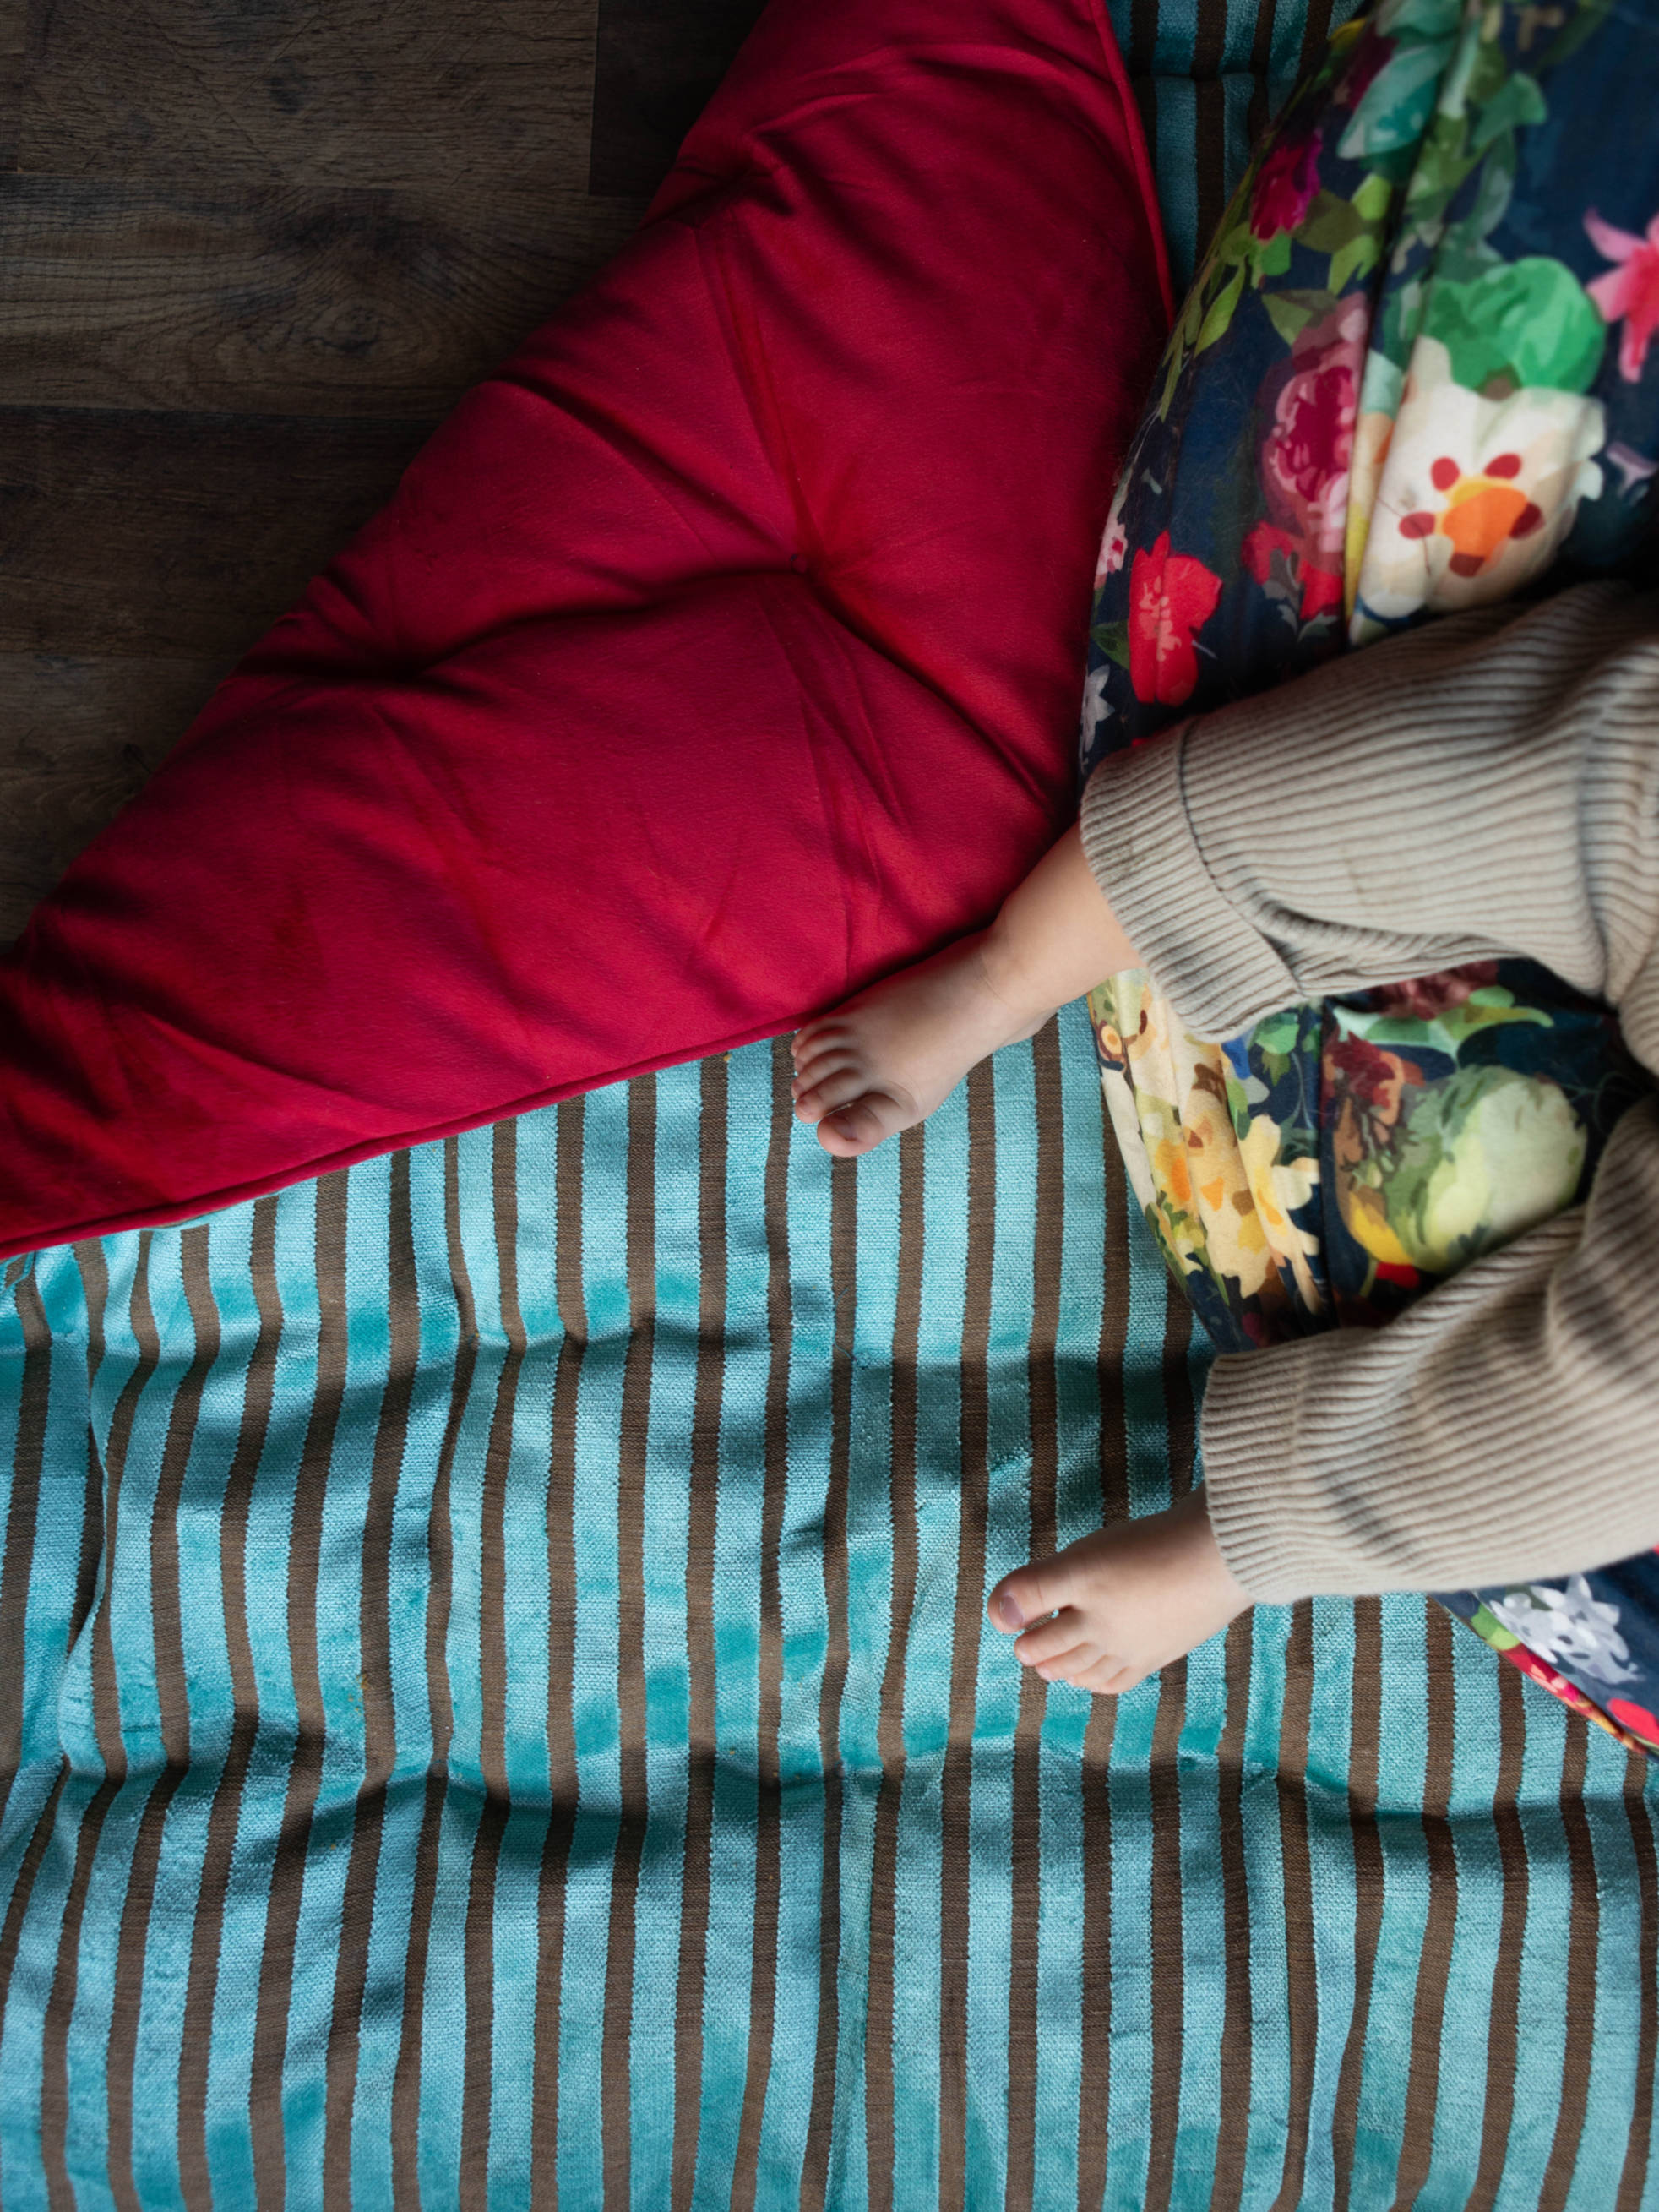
(1010,1615)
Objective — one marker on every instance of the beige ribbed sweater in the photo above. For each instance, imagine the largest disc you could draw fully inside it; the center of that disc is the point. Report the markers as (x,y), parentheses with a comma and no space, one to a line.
(1487,784)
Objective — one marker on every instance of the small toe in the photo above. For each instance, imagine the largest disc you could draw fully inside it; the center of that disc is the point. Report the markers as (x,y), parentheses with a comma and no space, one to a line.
(841,1087)
(1070,1665)
(1050,1637)
(851,1130)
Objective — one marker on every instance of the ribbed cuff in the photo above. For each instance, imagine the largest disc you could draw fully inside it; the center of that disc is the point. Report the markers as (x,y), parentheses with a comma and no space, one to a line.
(1213,964)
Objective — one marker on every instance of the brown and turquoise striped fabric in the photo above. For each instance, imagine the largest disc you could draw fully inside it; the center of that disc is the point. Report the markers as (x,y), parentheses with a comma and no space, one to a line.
(497,1710)
(1208,76)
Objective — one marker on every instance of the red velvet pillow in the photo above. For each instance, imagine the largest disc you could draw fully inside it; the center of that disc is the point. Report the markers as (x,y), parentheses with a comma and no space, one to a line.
(720,653)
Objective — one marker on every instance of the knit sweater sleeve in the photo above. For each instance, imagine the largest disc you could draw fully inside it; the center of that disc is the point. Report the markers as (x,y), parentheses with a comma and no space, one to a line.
(1486,786)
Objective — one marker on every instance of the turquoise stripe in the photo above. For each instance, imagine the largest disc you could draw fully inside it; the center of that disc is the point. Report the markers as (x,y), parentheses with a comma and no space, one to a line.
(1143,1972)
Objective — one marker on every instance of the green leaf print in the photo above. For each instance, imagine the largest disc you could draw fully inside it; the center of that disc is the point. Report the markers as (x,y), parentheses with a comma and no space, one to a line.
(1357,259)
(1330,223)
(1446,1031)
(1220,314)
(1113,640)
(1530,322)
(1290,313)
(1488,1625)
(1520,101)
(1396,105)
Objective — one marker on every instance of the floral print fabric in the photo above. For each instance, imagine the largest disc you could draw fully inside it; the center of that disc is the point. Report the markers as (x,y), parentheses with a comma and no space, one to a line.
(1428,325)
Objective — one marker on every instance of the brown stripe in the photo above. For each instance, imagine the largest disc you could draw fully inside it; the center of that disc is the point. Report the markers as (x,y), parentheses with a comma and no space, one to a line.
(561,1775)
(1209,154)
(701,1747)
(843,1282)
(615,2119)
(94,1280)
(375,1660)
(22,1889)
(195,2180)
(60,2006)
(764,1965)
(880,1994)
(1434,1959)
(1168,1980)
(106,1701)
(1316,34)
(172,1691)
(1503,2028)
(1096,1965)
(956,1782)
(23,1515)
(1042,1394)
(1261,59)
(406,2074)
(1145,89)
(106,1728)
(1093,2142)
(305,1767)
(479,1945)
(1232,2136)
(1210,119)
(1163,1787)
(1583,1922)
(1363,1751)
(1301,1949)
(1142,56)
(1633,2180)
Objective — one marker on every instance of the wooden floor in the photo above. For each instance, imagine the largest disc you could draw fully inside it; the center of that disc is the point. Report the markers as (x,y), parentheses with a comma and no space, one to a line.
(251,252)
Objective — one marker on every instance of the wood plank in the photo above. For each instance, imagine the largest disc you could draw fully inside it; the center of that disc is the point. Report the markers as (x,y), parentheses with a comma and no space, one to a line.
(658,62)
(280,299)
(177,534)
(78,736)
(427,94)
(14,51)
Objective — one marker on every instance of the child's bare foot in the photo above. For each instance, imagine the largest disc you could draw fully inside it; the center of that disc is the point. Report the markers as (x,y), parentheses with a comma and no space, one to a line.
(1125,1600)
(888,1057)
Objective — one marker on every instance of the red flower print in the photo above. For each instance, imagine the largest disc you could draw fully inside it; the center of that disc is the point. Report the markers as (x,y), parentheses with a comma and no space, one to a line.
(1635,1717)
(1290,575)
(1373,52)
(1630,293)
(1171,596)
(1284,186)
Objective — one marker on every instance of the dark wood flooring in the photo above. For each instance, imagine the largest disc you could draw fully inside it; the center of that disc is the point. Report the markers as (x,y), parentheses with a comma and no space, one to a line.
(251,252)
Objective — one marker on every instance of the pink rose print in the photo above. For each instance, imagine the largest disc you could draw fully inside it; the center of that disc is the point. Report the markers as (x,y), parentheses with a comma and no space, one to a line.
(1171,596)
(1284,186)
(1426,996)
(1630,293)
(1314,400)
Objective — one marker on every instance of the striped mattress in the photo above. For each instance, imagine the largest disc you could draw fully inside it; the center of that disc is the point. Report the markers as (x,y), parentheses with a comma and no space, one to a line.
(496,1709)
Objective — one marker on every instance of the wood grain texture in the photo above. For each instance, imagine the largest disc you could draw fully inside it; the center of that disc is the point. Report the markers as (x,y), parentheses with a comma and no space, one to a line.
(359,92)
(280,299)
(14,51)
(78,737)
(256,251)
(174,533)
(657,67)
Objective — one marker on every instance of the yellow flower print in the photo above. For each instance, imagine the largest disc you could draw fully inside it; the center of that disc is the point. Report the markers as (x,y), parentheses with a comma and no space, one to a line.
(1281,1188)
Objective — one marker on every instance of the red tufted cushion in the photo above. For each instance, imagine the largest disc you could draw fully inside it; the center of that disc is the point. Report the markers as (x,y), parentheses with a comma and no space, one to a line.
(720,653)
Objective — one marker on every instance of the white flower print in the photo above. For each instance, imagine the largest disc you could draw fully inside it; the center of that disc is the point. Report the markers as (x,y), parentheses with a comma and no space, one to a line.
(1566,1627)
